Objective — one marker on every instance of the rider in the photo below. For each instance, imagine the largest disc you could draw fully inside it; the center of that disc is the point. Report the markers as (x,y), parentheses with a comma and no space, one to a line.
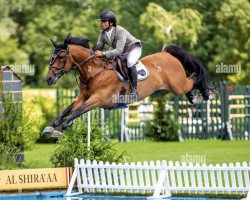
(121,43)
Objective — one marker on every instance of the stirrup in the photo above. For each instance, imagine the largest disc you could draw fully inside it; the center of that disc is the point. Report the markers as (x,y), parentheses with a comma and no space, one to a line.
(133,95)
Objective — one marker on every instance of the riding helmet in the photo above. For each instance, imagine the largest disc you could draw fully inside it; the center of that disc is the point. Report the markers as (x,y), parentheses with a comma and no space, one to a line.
(108,16)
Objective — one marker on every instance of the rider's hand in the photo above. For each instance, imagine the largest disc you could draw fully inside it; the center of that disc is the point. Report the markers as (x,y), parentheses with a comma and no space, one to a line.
(99,53)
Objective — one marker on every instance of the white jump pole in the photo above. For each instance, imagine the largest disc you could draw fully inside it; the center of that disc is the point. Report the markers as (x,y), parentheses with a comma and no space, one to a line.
(89,129)
(122,125)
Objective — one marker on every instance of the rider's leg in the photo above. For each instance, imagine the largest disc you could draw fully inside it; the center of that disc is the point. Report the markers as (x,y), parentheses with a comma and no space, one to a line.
(132,58)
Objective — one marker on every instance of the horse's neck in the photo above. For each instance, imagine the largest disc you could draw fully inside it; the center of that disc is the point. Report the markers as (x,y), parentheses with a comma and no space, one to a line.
(80,54)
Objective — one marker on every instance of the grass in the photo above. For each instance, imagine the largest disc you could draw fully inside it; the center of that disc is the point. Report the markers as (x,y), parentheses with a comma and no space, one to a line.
(210,151)
(38,157)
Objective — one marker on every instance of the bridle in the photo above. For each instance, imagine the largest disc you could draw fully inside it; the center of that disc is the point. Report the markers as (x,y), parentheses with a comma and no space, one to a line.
(62,71)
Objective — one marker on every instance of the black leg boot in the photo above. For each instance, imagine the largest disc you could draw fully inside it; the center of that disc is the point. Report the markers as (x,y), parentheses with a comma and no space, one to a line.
(132,72)
(204,93)
(190,97)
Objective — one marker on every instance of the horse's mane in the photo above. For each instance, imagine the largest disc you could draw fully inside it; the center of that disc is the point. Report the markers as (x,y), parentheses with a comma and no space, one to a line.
(78,41)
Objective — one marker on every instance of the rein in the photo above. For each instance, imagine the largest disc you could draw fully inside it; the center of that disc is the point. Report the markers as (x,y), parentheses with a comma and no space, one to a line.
(79,65)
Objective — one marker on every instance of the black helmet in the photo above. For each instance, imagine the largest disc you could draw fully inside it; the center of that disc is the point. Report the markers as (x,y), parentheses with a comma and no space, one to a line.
(107,15)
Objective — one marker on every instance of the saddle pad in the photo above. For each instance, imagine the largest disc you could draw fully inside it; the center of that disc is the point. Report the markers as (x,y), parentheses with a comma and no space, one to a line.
(142,72)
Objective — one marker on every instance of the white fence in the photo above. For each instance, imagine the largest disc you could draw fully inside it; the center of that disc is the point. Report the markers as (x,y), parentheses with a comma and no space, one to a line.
(159,177)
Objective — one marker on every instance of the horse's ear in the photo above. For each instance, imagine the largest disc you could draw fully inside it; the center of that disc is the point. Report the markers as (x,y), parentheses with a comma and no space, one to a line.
(65,43)
(68,36)
(66,40)
(53,42)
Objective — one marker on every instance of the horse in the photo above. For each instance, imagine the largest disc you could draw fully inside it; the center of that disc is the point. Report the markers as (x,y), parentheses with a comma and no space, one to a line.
(171,70)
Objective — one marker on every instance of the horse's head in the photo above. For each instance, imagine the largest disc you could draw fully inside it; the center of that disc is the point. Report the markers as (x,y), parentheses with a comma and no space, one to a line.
(60,62)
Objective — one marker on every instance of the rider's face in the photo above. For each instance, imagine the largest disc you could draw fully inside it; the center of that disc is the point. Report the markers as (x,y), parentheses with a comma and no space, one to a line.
(104,25)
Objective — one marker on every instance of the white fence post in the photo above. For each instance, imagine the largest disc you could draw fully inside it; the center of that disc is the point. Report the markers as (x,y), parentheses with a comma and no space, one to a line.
(74,179)
(89,130)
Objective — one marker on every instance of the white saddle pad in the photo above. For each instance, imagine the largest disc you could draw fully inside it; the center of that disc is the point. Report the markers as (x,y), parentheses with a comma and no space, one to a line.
(142,71)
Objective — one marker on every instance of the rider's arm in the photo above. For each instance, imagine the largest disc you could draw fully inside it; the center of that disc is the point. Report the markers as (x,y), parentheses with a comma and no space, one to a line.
(120,44)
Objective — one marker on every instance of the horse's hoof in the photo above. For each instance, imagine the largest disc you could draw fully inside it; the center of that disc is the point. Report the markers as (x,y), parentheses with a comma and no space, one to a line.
(48,130)
(197,99)
(56,134)
(212,95)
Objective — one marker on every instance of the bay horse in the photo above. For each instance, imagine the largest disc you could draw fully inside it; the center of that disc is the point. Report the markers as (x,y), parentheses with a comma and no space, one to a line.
(171,70)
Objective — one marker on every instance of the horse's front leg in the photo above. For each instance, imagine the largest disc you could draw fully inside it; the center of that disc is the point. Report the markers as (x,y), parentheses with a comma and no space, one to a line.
(91,103)
(56,122)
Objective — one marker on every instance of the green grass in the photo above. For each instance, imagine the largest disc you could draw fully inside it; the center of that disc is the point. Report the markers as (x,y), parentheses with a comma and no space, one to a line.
(213,151)
(38,157)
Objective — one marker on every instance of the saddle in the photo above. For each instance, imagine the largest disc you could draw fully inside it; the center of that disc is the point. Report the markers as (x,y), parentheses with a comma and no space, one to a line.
(120,66)
(121,69)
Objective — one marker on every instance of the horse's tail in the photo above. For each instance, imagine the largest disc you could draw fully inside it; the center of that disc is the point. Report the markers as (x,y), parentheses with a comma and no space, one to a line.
(191,65)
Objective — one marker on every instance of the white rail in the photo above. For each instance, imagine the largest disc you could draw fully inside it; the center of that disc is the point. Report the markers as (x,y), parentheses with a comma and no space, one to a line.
(159,177)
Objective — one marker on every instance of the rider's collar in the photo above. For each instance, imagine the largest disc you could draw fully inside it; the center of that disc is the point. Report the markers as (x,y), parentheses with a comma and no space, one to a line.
(110,31)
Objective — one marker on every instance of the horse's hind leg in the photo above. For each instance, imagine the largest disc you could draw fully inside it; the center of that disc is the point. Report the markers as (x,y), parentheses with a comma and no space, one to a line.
(159,93)
(182,86)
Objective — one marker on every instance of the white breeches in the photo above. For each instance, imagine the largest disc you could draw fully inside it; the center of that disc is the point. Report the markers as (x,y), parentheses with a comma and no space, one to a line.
(133,56)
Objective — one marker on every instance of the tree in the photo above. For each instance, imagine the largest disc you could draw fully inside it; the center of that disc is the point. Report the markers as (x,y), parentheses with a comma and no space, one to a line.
(164,126)
(181,27)
(10,53)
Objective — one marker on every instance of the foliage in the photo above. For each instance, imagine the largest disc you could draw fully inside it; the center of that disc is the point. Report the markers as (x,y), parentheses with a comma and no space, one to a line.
(73,144)
(48,110)
(8,154)
(210,30)
(164,126)
(17,125)
(10,53)
(182,27)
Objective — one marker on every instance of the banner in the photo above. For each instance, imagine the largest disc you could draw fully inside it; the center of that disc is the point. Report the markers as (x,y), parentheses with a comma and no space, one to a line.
(26,179)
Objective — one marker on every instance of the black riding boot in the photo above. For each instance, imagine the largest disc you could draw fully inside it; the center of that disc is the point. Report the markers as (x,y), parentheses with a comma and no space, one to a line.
(132,72)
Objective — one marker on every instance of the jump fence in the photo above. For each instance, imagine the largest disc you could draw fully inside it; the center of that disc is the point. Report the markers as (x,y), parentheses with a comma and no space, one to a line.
(226,117)
(159,178)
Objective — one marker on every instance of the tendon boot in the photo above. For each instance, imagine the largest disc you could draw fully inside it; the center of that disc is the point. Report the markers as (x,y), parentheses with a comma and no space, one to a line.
(205,94)
(190,97)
